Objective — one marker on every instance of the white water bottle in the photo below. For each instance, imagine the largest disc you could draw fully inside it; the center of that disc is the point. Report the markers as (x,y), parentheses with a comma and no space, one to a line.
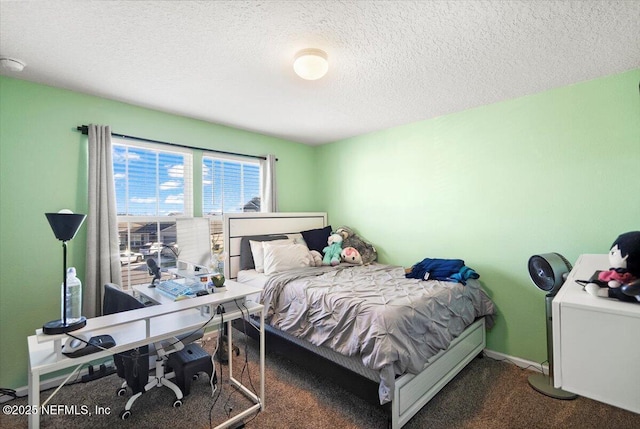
(73,297)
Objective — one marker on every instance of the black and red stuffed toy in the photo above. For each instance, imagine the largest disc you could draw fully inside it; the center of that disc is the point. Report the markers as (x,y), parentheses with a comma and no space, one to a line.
(622,280)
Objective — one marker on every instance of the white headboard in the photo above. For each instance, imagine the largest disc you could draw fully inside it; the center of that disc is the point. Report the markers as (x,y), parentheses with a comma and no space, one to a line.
(237,225)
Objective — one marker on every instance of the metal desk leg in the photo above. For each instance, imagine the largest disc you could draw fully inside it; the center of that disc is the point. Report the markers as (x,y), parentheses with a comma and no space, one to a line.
(262,397)
(229,348)
(34,399)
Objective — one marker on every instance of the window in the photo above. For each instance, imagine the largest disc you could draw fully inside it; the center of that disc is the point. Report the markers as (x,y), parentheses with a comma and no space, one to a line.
(153,186)
(152,182)
(229,185)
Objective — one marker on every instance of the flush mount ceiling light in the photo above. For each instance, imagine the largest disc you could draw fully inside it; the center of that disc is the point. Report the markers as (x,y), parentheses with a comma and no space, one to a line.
(311,64)
(11,64)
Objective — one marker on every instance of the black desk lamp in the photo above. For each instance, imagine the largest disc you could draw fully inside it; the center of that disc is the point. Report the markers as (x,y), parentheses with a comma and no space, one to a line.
(65,225)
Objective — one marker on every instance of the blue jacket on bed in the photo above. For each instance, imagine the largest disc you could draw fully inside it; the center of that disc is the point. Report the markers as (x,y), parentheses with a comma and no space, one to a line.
(452,270)
(465,274)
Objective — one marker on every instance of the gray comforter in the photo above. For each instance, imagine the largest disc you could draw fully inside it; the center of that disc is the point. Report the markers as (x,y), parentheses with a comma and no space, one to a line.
(393,323)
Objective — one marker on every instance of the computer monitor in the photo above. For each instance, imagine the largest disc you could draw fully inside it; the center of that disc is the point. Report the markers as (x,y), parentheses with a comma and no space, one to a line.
(194,243)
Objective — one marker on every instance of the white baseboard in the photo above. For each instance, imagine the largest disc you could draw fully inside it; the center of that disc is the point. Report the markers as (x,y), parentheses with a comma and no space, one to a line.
(522,363)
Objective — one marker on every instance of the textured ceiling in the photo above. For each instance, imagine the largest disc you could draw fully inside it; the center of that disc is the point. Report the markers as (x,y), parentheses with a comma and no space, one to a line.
(391,62)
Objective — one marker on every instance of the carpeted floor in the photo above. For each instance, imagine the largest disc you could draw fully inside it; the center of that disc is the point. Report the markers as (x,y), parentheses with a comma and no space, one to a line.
(486,394)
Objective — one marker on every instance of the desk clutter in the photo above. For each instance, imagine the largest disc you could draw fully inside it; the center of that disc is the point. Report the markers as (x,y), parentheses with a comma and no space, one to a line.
(185,288)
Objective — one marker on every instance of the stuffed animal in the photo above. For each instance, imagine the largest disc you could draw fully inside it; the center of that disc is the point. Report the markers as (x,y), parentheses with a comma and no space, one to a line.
(316,258)
(621,280)
(351,239)
(351,255)
(333,250)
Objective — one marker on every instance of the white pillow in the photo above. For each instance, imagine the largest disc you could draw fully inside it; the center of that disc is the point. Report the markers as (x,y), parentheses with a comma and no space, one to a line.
(258,252)
(278,258)
(297,238)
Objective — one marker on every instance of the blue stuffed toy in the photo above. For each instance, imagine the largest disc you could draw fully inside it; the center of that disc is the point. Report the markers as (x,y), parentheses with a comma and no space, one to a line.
(333,250)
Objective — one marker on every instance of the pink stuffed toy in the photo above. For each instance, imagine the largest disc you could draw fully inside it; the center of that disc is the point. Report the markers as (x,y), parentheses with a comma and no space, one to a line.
(351,256)
(616,279)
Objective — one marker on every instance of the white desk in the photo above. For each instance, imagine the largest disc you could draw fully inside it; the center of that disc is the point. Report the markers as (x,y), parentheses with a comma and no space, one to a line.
(234,290)
(595,341)
(137,328)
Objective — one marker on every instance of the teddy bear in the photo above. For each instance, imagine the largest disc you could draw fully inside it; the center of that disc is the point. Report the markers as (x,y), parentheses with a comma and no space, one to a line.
(333,250)
(315,258)
(351,255)
(621,281)
(367,252)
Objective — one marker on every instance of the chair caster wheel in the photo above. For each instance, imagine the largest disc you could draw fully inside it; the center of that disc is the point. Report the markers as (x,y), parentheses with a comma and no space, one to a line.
(125,414)
(177,403)
(121,391)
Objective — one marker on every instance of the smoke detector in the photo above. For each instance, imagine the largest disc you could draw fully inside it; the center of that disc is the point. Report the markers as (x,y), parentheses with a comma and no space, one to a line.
(12,64)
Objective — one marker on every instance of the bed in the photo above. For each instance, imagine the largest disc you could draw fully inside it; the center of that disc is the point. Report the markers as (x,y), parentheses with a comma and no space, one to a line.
(406,337)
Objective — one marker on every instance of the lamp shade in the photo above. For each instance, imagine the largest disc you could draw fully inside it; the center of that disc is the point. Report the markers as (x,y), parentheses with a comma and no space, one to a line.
(65,225)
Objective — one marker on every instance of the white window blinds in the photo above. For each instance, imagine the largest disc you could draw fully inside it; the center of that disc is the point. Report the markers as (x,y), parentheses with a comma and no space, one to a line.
(152,182)
(230,185)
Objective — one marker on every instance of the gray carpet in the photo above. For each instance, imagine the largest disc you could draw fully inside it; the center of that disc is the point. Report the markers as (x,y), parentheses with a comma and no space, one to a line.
(486,394)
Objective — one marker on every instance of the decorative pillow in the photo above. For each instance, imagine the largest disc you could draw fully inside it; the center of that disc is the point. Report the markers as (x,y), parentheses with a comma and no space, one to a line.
(257,251)
(316,239)
(278,258)
(246,257)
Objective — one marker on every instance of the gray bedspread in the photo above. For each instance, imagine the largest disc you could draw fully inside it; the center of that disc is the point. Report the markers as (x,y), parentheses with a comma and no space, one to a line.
(393,323)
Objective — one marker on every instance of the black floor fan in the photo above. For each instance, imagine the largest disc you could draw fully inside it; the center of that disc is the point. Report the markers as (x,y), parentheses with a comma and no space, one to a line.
(548,272)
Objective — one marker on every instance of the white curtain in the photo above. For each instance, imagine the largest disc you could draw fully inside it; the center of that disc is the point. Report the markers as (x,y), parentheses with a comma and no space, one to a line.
(103,262)
(269,197)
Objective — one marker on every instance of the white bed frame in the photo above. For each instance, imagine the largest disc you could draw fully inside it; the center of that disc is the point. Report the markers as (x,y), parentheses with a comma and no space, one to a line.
(412,392)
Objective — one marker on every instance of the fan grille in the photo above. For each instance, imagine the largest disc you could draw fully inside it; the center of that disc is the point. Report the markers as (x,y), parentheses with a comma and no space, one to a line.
(541,273)
(547,270)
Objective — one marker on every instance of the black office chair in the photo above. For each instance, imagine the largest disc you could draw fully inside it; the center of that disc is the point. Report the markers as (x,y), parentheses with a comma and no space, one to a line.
(133,365)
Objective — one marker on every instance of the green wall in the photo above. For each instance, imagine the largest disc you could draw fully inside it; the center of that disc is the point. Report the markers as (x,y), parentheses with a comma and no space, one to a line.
(43,167)
(551,172)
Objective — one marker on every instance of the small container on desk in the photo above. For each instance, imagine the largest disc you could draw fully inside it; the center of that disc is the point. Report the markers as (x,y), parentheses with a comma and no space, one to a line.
(218,282)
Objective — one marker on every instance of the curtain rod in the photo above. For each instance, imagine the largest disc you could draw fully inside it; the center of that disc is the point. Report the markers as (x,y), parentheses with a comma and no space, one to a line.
(84,129)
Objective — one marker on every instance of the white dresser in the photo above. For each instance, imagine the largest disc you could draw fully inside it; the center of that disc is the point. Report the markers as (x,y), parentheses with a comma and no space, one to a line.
(596,341)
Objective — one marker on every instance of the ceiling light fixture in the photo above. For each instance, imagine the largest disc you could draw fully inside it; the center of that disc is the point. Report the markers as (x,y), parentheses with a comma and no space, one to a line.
(11,64)
(311,64)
